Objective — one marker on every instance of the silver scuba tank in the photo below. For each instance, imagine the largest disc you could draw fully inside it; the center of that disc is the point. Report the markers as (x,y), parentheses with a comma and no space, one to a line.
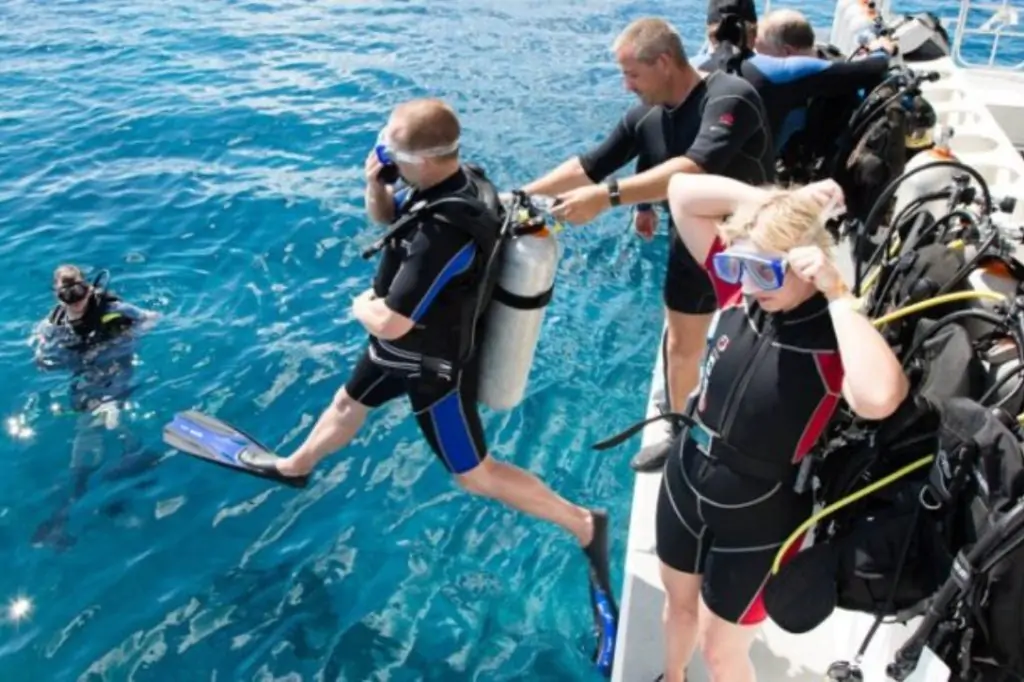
(512,322)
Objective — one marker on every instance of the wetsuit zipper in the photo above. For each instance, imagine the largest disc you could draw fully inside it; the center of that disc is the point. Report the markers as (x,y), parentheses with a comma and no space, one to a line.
(739,387)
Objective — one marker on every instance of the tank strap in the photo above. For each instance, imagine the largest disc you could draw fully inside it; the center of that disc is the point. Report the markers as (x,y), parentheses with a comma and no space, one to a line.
(480,218)
(522,302)
(57,315)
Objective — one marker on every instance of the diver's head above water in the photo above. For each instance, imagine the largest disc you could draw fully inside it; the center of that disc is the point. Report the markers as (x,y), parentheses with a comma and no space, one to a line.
(420,143)
(773,242)
(653,62)
(72,290)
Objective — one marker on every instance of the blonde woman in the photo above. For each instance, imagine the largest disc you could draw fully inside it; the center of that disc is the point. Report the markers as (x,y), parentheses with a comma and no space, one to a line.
(786,345)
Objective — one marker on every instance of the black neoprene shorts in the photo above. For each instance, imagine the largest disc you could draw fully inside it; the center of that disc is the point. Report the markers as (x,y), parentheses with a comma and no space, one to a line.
(687,287)
(725,527)
(446,411)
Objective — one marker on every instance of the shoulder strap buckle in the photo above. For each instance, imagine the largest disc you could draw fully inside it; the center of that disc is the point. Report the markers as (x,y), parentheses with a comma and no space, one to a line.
(399,228)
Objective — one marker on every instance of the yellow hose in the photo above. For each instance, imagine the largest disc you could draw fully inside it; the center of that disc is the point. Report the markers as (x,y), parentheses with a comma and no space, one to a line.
(869,281)
(937,300)
(849,499)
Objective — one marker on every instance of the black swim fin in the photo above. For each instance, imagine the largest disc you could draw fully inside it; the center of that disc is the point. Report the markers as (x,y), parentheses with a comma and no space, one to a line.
(602,601)
(211,439)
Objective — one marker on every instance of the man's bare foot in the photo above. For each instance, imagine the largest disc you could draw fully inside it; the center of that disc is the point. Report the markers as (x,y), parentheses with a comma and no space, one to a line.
(290,466)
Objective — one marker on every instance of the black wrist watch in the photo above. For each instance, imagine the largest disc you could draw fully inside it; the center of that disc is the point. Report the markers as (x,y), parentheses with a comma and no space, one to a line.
(613,191)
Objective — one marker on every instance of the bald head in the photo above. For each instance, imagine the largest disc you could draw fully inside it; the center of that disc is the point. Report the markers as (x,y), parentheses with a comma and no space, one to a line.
(424,124)
(785,32)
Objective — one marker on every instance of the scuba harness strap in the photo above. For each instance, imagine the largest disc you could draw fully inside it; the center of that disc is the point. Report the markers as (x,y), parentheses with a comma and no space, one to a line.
(712,446)
(484,221)
(97,323)
(732,49)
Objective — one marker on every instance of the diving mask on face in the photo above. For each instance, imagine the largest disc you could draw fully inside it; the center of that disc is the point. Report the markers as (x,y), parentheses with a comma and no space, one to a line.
(389,156)
(73,292)
(768,274)
(78,290)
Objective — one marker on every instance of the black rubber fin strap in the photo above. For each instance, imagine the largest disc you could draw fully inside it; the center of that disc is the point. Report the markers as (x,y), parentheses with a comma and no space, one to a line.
(621,438)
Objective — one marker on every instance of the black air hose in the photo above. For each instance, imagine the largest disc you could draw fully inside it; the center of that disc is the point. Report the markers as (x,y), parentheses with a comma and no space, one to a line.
(877,212)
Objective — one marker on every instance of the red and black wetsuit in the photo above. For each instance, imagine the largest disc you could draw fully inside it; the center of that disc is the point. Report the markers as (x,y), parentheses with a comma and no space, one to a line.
(770,383)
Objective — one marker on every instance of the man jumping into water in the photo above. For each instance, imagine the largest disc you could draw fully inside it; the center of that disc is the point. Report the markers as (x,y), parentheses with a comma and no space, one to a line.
(414,313)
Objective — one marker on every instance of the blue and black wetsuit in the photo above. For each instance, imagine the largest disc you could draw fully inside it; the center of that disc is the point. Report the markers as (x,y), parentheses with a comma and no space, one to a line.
(787,84)
(770,383)
(431,275)
(721,127)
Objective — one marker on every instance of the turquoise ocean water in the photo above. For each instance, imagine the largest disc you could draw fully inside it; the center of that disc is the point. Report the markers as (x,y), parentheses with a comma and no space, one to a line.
(209,154)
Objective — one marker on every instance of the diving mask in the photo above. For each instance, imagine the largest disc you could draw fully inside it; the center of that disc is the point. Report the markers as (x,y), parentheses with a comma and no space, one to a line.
(388,154)
(73,292)
(768,274)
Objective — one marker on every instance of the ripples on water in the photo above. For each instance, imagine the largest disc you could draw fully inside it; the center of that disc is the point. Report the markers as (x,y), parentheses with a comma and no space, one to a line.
(210,154)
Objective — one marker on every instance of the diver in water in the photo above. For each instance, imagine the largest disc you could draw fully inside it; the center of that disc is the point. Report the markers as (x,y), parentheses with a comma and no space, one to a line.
(90,332)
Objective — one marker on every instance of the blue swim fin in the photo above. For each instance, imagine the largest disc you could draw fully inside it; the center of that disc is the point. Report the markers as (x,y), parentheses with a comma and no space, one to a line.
(211,439)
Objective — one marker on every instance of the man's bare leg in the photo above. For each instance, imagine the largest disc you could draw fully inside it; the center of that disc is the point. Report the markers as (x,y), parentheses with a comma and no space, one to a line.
(335,428)
(686,339)
(525,492)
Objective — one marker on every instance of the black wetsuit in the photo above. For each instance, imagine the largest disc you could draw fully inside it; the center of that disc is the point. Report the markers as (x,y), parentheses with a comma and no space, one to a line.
(429,275)
(106,376)
(720,127)
(770,383)
(787,84)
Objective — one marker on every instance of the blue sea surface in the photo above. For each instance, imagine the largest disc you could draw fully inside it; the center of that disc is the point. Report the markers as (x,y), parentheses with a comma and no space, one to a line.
(209,153)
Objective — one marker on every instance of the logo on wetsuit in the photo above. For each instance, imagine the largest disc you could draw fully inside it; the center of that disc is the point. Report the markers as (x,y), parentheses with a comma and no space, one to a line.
(714,352)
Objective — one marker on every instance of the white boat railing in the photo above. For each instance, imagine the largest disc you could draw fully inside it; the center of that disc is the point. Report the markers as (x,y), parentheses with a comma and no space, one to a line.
(1003,22)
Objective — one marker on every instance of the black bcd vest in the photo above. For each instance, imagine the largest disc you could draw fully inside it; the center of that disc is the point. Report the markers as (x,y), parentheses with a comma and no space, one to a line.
(97,325)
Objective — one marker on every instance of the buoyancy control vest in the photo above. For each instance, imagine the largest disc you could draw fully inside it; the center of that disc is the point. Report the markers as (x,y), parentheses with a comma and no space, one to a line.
(503,295)
(877,150)
(99,323)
